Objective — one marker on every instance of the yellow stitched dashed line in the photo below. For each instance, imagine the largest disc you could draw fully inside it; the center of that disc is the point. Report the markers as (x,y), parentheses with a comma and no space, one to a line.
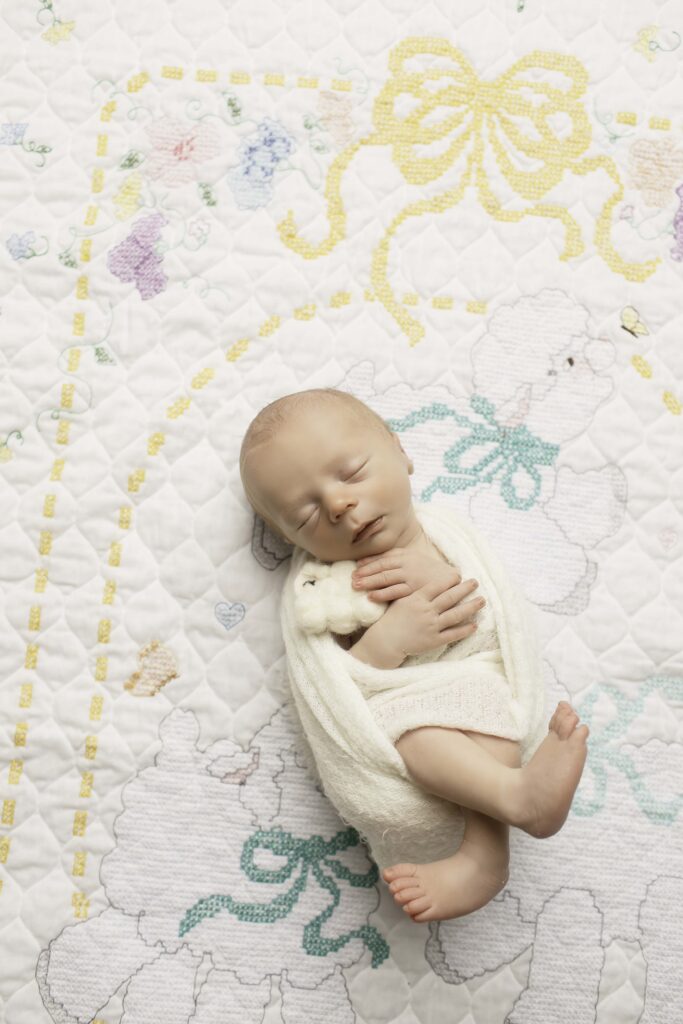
(626,117)
(91,747)
(86,784)
(16,768)
(203,378)
(45,542)
(31,657)
(135,480)
(90,216)
(57,469)
(662,124)
(86,249)
(97,181)
(26,698)
(154,443)
(67,397)
(101,666)
(80,823)
(80,904)
(109,592)
(20,732)
(137,82)
(125,514)
(74,360)
(49,505)
(211,76)
(672,403)
(104,631)
(78,325)
(102,142)
(78,868)
(4,849)
(82,287)
(114,554)
(338,300)
(642,366)
(63,432)
(180,406)
(34,619)
(96,709)
(8,807)
(107,110)
(268,326)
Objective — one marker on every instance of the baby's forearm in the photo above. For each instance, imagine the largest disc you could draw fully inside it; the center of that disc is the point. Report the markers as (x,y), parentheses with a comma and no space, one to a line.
(375,648)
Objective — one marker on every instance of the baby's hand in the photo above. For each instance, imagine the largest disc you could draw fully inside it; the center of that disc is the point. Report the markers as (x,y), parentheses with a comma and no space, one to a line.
(399,572)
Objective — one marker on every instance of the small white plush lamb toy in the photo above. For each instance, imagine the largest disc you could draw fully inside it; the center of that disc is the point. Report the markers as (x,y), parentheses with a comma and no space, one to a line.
(324,599)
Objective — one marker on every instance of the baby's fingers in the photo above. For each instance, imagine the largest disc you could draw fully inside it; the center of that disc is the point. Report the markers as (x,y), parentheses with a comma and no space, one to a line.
(390,593)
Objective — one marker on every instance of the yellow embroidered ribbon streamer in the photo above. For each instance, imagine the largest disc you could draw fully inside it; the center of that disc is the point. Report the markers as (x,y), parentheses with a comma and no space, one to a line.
(505,110)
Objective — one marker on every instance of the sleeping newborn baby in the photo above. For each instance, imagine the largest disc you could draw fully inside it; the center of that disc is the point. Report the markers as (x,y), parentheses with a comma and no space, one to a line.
(327,474)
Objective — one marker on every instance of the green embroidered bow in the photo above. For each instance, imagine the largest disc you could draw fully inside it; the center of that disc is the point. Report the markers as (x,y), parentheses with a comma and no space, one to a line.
(312,853)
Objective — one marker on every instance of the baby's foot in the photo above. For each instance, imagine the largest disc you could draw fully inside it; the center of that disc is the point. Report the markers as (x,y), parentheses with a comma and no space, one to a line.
(446,888)
(547,784)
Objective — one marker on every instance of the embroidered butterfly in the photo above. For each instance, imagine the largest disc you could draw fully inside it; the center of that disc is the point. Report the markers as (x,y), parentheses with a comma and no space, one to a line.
(631,322)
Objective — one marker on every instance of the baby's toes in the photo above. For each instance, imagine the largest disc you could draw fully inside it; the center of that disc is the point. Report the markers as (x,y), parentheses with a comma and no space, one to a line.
(397,870)
(567,724)
(406,895)
(418,905)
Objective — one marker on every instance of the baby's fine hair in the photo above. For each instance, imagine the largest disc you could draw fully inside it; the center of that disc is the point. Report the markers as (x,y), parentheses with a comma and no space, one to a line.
(272,417)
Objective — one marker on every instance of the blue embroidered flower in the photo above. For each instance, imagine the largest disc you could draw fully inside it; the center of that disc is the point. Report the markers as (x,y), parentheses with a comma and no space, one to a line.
(260,153)
(21,248)
(12,134)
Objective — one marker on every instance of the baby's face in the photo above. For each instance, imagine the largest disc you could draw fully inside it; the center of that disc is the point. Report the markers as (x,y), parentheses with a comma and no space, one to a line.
(326,474)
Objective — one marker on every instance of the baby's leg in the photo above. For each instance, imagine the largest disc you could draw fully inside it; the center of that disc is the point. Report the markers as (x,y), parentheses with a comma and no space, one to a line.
(536,798)
(468,880)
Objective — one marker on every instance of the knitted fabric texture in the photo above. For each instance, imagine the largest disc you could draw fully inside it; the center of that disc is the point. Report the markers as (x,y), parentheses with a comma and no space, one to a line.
(349,710)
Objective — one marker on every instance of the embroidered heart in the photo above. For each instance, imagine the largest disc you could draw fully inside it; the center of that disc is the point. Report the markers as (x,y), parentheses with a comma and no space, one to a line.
(229,614)
(667,538)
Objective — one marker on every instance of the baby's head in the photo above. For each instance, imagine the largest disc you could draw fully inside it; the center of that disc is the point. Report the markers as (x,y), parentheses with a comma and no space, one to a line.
(316,465)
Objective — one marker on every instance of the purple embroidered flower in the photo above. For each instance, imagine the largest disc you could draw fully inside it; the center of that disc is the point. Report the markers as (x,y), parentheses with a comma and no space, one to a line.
(677,251)
(135,259)
(21,248)
(260,153)
(12,134)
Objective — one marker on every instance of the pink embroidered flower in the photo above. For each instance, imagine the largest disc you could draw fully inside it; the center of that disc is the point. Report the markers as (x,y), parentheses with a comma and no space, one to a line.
(655,168)
(179,149)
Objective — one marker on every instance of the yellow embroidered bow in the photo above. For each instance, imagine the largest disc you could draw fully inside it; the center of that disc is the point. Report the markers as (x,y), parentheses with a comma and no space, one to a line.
(431,116)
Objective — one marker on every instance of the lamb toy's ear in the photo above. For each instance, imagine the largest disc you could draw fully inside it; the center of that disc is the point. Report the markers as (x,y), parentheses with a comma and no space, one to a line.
(324,599)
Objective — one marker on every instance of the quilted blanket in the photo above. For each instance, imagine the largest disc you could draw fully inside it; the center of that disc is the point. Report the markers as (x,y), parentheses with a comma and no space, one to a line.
(468,214)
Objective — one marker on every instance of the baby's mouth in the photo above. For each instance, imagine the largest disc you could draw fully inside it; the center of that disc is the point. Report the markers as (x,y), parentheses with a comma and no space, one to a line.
(361,534)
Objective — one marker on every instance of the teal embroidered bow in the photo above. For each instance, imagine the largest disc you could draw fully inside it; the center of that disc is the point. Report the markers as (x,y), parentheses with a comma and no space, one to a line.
(511,450)
(312,853)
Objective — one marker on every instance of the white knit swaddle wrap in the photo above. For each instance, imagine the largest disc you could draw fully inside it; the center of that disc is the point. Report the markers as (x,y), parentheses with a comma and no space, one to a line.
(346,707)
